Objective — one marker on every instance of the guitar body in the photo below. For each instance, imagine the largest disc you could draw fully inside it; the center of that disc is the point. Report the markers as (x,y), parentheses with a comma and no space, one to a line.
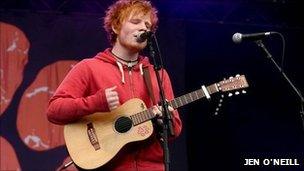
(97,138)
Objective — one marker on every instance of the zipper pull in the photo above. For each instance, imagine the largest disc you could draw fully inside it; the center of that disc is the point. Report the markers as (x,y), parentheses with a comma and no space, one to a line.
(130,70)
(129,66)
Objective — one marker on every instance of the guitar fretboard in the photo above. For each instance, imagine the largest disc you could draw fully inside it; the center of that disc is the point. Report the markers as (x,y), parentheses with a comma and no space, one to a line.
(142,117)
(192,96)
(146,115)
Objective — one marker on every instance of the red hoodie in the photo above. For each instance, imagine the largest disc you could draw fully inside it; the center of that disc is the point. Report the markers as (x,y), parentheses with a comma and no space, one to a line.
(82,93)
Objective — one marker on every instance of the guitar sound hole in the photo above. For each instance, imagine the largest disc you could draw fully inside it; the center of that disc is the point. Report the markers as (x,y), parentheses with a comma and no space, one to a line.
(123,124)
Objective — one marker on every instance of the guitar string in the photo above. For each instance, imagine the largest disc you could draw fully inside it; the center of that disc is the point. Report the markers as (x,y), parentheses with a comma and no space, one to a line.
(125,125)
(137,118)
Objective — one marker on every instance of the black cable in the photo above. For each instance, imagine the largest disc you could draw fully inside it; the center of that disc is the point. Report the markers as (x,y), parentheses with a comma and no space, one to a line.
(283,49)
(161,59)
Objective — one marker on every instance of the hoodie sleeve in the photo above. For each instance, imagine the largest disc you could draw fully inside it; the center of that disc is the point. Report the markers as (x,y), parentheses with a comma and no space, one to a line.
(70,102)
(177,123)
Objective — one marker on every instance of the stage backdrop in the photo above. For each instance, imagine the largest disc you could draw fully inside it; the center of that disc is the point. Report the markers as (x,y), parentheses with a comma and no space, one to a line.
(38,48)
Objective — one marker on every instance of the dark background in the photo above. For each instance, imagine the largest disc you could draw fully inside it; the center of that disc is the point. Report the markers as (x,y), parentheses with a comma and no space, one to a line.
(195,41)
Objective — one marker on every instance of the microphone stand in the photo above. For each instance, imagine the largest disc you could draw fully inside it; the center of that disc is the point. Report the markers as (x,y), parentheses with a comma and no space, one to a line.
(167,128)
(269,56)
(66,165)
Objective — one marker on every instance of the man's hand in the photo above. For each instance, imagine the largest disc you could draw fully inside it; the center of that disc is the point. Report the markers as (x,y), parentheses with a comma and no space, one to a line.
(157,110)
(112,98)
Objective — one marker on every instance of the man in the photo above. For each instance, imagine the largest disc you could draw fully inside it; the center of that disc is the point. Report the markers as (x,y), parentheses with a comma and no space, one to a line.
(104,82)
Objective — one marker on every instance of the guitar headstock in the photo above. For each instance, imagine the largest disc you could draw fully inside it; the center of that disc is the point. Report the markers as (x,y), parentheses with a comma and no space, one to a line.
(233,83)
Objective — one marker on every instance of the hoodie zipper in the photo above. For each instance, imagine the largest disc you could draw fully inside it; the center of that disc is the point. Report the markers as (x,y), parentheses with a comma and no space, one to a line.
(131,81)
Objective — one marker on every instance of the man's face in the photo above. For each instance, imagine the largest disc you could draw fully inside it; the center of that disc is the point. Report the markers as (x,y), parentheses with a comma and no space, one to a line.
(131,28)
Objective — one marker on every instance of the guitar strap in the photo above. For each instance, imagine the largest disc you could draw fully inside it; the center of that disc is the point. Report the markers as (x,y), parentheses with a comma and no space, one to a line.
(149,83)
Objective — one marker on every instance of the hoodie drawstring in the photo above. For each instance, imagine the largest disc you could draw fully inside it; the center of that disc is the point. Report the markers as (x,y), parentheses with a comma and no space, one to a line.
(121,71)
(141,69)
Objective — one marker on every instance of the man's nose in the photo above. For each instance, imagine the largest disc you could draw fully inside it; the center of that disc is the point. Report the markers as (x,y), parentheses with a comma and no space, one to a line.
(143,27)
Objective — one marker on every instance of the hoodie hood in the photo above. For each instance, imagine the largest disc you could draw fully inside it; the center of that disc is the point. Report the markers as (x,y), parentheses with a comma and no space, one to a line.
(108,57)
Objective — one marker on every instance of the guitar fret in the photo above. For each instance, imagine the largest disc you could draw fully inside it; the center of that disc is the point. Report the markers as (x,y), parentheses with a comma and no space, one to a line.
(175,104)
(185,98)
(150,114)
(180,101)
(201,93)
(140,118)
(137,118)
(196,95)
(213,88)
(144,116)
(191,97)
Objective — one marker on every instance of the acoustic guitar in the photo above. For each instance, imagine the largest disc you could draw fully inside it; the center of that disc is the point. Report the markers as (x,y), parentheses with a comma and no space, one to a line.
(95,139)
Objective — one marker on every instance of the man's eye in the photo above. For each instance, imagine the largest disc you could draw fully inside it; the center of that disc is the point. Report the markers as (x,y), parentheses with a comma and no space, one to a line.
(135,21)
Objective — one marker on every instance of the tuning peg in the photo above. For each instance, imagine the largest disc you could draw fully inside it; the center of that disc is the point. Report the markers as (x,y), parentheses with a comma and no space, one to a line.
(237,93)
(230,78)
(237,75)
(244,91)
(219,105)
(216,111)
(230,94)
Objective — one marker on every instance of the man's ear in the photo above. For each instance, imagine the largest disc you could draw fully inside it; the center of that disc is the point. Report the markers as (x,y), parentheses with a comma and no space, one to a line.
(114,30)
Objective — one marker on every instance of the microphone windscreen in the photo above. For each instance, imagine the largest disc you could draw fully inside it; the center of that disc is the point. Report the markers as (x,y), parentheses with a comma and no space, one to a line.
(237,38)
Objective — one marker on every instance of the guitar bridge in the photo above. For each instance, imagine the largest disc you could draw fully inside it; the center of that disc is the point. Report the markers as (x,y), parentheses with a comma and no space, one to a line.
(92,136)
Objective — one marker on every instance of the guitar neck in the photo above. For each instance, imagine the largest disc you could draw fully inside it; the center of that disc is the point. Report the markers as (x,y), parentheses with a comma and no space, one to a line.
(146,115)
(192,96)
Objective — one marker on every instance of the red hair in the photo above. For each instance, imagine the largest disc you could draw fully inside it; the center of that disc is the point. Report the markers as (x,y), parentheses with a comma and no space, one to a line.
(118,12)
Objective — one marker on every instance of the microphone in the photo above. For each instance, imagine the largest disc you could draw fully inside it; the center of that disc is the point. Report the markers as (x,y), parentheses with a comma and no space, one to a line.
(144,36)
(238,37)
